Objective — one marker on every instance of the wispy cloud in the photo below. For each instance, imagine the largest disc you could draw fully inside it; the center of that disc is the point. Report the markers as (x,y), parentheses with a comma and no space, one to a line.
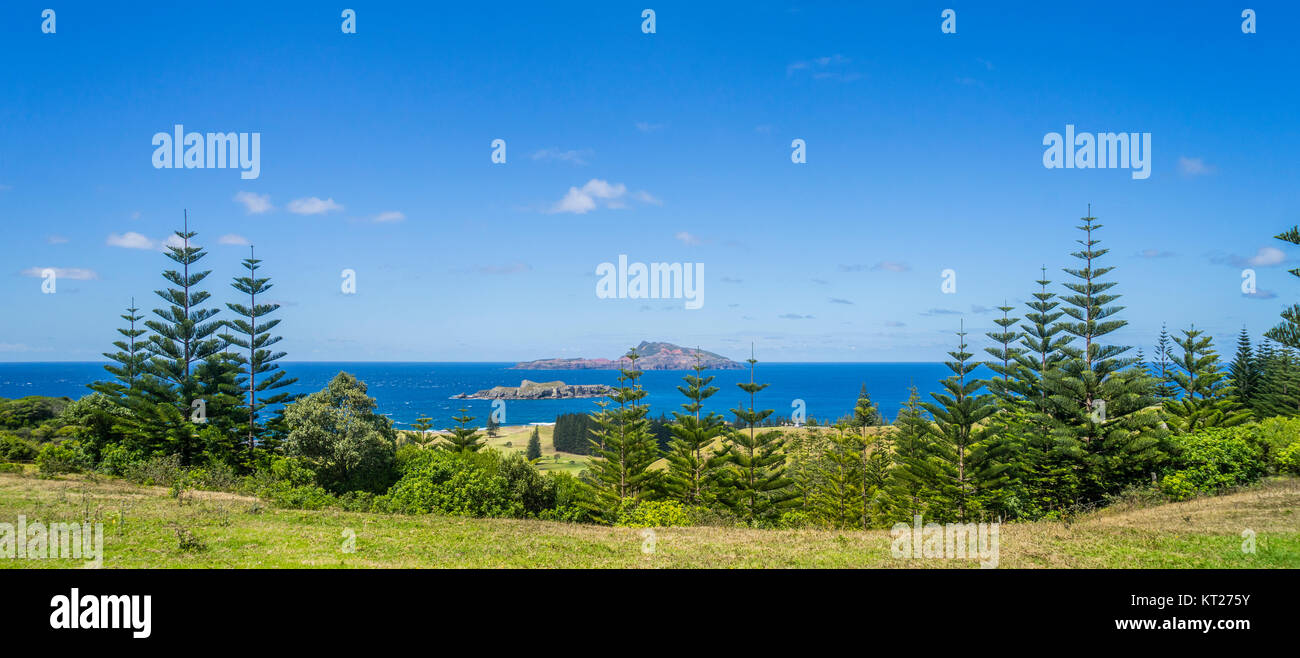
(129,240)
(75,273)
(894,323)
(389,216)
(647,127)
(794,316)
(688,239)
(56,239)
(313,206)
(254,204)
(831,67)
(1193,167)
(1265,257)
(837,300)
(1260,294)
(233,239)
(595,193)
(941,311)
(891,266)
(646,197)
(1154,253)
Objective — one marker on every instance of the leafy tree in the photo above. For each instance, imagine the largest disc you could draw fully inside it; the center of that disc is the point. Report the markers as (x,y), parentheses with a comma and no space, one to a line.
(872,454)
(838,502)
(758,488)
(957,414)
(534,450)
(1203,401)
(805,453)
(1288,332)
(623,448)
(130,359)
(1242,374)
(913,477)
(1162,367)
(1099,403)
(339,436)
(463,437)
(692,457)
(258,374)
(184,333)
(1006,356)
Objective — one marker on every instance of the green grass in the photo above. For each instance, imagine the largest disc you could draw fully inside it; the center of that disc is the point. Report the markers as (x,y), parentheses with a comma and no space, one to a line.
(141,530)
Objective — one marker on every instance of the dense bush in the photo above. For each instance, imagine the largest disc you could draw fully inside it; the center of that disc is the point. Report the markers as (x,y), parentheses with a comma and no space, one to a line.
(1209,460)
(459,484)
(55,458)
(160,470)
(14,449)
(1273,436)
(573,433)
(338,435)
(653,514)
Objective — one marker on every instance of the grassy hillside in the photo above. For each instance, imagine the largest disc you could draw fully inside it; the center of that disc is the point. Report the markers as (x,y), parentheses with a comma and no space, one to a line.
(142,526)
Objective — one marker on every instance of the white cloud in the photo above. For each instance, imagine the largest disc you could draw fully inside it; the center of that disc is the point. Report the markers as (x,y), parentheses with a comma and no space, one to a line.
(646,197)
(688,239)
(129,240)
(595,193)
(1267,257)
(174,241)
(76,273)
(254,204)
(56,239)
(1194,167)
(313,206)
(232,238)
(647,127)
(891,266)
(389,216)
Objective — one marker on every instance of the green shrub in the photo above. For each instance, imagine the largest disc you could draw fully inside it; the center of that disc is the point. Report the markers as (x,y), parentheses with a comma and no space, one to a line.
(1274,435)
(1288,459)
(357,501)
(14,449)
(652,514)
(1210,460)
(55,458)
(458,484)
(11,468)
(526,486)
(160,470)
(115,459)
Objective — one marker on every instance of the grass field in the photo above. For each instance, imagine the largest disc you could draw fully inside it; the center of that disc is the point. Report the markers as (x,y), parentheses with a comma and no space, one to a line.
(143,526)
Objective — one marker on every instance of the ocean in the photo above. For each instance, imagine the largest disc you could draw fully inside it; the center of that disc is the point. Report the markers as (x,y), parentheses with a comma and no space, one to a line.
(405,391)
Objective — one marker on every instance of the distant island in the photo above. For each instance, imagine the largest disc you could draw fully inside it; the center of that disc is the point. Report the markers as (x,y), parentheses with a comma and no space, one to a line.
(527,390)
(654,356)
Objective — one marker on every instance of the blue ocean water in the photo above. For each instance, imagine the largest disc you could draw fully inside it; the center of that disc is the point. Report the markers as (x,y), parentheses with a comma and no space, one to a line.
(405,391)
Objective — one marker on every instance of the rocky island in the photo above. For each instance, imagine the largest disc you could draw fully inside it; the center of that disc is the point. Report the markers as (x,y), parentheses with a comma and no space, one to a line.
(527,390)
(654,356)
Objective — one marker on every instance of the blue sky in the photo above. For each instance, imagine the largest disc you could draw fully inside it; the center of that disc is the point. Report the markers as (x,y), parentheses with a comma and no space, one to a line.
(924,153)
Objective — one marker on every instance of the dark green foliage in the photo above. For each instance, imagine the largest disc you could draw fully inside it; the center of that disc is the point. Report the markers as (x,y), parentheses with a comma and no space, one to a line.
(693,459)
(534,450)
(337,434)
(957,413)
(1099,404)
(1162,368)
(1203,399)
(573,433)
(1242,373)
(623,449)
(258,375)
(912,477)
(757,489)
(463,438)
